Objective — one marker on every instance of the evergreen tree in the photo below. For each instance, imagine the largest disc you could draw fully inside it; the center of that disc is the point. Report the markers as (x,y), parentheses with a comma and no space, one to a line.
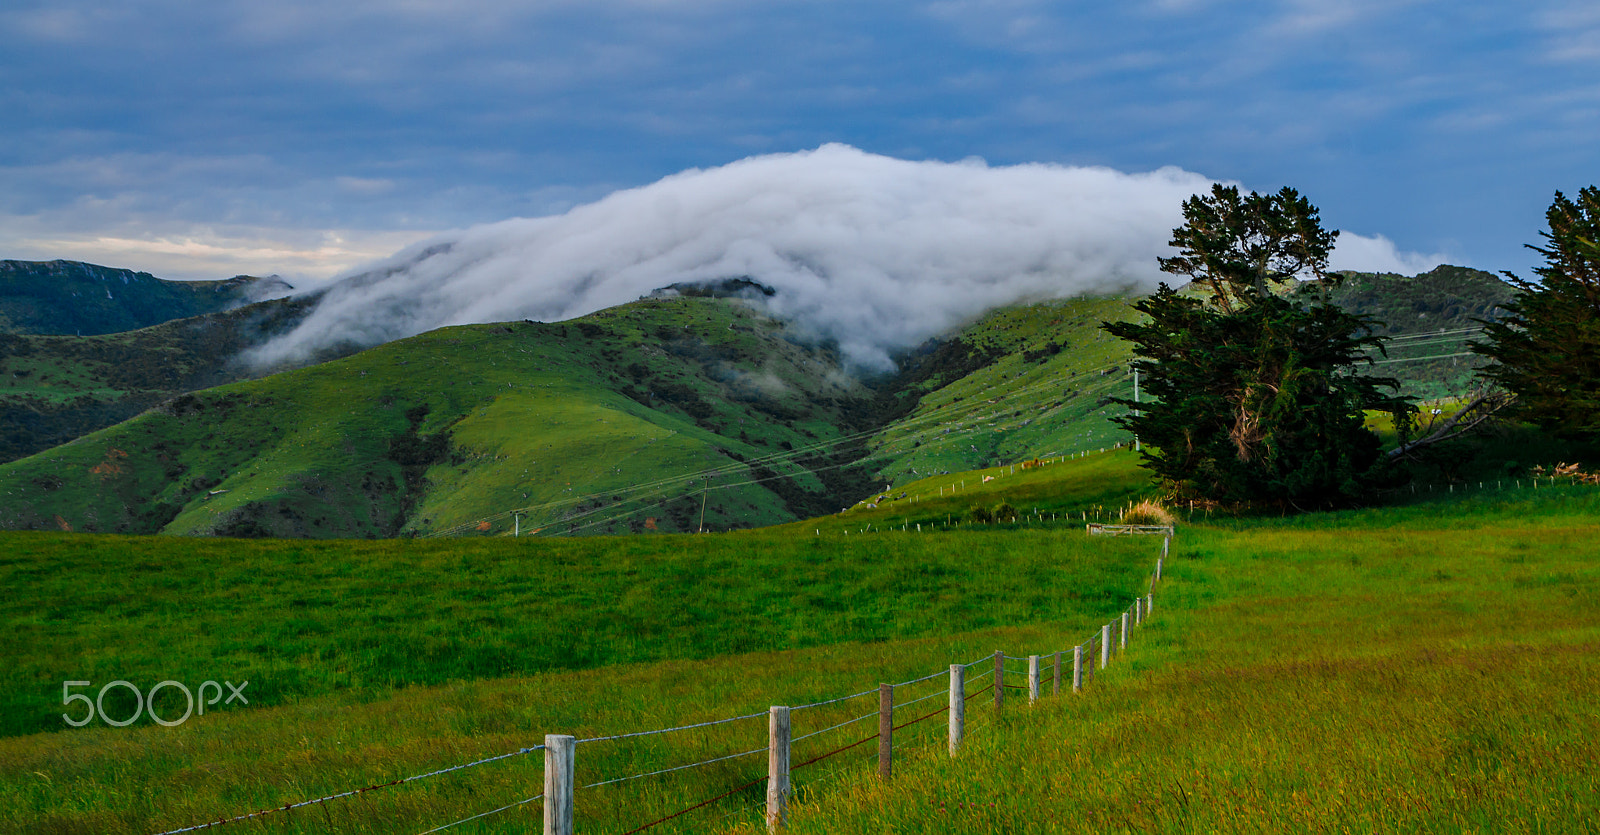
(1256,399)
(1547,351)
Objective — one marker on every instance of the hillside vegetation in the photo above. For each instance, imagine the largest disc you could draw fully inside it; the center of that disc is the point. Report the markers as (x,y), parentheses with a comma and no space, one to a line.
(54,389)
(634,419)
(667,414)
(1429,318)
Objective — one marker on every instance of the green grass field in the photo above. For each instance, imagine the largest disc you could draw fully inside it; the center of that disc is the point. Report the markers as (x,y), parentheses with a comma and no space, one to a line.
(1419,668)
(372,661)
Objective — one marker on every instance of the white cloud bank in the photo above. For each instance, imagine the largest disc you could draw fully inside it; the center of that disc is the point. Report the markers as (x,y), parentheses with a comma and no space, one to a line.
(875,252)
(1378,254)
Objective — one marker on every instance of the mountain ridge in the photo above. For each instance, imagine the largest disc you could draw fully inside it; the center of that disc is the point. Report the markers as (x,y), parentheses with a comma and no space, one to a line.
(77,298)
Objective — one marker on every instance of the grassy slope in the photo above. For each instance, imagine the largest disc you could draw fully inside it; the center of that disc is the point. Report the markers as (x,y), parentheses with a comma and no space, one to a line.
(1092,487)
(1043,397)
(1429,668)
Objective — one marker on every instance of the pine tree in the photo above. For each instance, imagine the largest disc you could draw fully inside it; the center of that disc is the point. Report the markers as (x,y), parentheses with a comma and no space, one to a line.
(1547,350)
(1256,399)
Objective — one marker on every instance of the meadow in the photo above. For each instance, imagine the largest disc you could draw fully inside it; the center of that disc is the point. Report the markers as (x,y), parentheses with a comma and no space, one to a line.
(371,661)
(1418,668)
(1430,668)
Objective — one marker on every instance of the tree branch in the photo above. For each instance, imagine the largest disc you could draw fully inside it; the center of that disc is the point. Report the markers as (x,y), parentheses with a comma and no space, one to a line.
(1482,408)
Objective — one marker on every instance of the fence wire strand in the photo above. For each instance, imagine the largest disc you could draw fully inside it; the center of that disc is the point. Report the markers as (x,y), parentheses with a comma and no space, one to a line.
(934,695)
(835,701)
(484,814)
(675,768)
(924,678)
(351,793)
(672,730)
(835,727)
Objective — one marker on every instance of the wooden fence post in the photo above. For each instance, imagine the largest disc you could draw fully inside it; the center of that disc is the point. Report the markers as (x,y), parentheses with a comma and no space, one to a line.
(1149,603)
(1138,614)
(958,705)
(1077,669)
(1055,677)
(999,680)
(1105,645)
(885,730)
(1033,679)
(777,766)
(1124,643)
(558,757)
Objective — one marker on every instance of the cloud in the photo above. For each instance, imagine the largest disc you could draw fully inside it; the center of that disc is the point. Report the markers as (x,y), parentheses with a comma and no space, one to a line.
(307,257)
(875,252)
(1378,254)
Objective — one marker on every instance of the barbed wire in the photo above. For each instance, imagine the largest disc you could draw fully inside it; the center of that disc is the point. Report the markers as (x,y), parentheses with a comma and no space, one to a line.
(484,814)
(672,730)
(350,793)
(676,768)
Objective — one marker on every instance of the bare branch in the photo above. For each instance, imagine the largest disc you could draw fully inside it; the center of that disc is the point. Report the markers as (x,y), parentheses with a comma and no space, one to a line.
(1481,408)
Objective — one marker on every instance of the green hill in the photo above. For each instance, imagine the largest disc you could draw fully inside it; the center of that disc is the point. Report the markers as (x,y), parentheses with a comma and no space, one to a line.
(1429,319)
(71,297)
(435,431)
(639,418)
(667,414)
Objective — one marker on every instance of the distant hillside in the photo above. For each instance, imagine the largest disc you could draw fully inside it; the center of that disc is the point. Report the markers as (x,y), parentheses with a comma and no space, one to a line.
(613,413)
(56,388)
(71,297)
(647,417)
(1429,319)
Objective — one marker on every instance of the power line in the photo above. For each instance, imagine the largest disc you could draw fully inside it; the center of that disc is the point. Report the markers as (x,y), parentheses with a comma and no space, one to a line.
(654,488)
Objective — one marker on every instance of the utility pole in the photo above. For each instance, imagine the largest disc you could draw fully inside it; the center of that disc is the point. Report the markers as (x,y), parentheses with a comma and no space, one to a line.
(1136,446)
(705,486)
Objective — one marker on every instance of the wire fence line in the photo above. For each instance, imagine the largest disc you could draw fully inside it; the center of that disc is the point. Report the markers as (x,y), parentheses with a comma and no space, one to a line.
(780,738)
(860,718)
(670,730)
(832,701)
(484,814)
(683,767)
(289,807)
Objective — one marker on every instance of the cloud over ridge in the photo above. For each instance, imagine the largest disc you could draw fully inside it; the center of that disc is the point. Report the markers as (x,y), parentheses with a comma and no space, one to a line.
(875,252)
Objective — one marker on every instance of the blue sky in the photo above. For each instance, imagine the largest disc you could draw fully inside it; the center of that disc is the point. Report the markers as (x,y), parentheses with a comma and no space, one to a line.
(206,139)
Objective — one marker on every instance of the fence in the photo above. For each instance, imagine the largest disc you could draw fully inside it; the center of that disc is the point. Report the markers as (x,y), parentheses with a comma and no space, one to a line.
(1072,668)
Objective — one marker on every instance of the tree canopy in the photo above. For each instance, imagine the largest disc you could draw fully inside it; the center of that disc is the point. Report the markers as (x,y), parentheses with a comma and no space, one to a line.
(1546,350)
(1256,401)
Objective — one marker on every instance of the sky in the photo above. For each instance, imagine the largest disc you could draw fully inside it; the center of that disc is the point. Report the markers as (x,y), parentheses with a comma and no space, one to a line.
(203,140)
